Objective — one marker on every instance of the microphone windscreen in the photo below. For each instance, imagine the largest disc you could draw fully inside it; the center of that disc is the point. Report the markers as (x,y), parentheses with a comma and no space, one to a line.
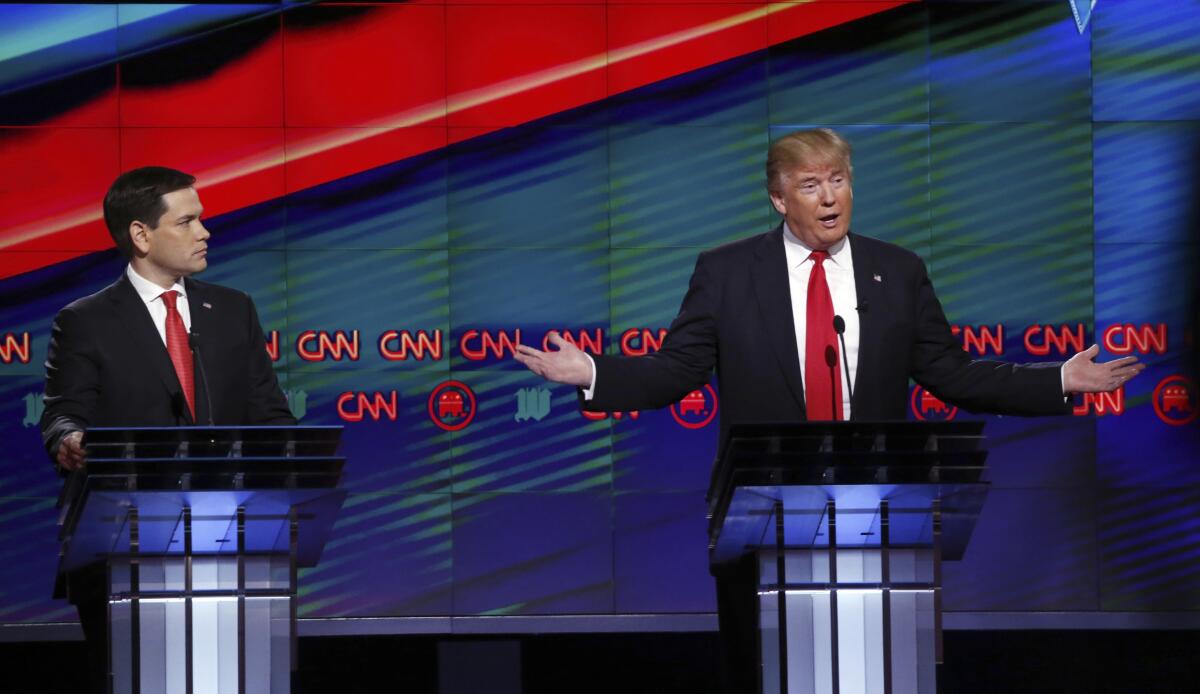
(839,325)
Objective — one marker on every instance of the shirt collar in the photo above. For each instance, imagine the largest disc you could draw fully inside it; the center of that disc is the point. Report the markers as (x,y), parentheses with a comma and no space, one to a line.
(797,251)
(147,290)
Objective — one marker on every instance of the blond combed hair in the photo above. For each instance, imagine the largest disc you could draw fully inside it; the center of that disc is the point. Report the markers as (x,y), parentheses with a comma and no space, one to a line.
(819,147)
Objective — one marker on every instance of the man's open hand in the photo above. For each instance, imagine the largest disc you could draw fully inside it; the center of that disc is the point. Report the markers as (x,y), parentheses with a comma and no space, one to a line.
(1081,374)
(567,364)
(71,455)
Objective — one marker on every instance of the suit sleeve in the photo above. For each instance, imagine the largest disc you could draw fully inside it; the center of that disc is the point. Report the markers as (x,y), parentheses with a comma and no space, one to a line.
(684,363)
(266,402)
(72,381)
(942,367)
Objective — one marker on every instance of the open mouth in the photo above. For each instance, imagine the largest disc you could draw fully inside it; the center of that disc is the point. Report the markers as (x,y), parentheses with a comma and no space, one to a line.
(829,221)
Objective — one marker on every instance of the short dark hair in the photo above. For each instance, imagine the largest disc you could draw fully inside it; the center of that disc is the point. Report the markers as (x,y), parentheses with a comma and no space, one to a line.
(137,196)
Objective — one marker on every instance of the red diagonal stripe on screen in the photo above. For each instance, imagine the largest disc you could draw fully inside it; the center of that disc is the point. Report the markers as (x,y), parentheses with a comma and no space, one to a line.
(503,67)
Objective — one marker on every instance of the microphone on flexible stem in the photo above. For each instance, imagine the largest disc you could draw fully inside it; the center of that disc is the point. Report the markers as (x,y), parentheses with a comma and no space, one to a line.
(194,343)
(839,327)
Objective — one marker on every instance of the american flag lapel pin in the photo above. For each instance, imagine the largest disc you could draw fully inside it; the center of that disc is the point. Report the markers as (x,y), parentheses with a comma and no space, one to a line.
(877,278)
(205,304)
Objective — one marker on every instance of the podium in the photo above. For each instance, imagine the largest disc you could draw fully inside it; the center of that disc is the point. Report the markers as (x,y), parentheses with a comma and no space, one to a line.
(850,523)
(201,530)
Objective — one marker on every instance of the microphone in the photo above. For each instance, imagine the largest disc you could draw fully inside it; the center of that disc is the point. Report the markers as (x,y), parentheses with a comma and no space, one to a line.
(194,343)
(839,327)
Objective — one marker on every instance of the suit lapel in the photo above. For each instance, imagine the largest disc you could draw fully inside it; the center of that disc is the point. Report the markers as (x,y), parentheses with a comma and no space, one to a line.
(868,290)
(202,326)
(770,276)
(144,338)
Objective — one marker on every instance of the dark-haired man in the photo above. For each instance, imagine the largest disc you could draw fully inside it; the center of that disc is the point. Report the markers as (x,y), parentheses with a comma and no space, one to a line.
(124,356)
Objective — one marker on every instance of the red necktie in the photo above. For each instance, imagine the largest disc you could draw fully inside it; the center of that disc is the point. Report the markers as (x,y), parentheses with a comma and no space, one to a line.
(822,377)
(181,353)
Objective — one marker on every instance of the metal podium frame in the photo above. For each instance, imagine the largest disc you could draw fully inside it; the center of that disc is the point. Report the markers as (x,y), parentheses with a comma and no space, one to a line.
(202,531)
(850,523)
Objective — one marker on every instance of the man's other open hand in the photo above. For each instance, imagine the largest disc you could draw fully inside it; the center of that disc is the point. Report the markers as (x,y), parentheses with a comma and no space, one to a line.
(1082,374)
(566,364)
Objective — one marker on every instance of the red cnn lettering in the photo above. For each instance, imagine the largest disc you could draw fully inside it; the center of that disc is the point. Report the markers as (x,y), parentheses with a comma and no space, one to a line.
(593,342)
(348,415)
(13,345)
(1143,339)
(354,407)
(398,346)
(336,347)
(638,342)
(476,345)
(980,339)
(1064,340)
(1102,403)
(273,345)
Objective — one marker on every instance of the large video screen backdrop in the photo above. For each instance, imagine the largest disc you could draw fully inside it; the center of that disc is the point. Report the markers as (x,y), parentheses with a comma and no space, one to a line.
(408,189)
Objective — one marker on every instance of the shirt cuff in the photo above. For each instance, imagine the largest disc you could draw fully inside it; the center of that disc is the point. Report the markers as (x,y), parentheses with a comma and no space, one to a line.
(591,389)
(1062,380)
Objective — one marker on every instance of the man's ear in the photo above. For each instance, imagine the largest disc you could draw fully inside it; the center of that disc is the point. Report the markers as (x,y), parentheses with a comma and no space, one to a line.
(778,201)
(139,234)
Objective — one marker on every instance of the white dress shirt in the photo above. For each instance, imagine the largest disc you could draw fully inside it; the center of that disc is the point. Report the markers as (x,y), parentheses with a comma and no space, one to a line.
(839,273)
(151,295)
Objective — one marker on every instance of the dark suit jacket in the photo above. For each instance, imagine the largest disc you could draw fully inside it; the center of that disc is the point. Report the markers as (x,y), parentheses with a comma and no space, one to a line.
(737,318)
(107,365)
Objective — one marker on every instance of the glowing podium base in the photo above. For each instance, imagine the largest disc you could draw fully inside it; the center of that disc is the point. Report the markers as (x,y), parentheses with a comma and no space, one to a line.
(850,523)
(201,531)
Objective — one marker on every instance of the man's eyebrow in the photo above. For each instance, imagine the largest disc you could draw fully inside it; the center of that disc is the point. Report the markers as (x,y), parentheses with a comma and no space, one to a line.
(814,178)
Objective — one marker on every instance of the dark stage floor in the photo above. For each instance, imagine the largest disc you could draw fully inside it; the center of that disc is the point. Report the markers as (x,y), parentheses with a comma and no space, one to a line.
(977,662)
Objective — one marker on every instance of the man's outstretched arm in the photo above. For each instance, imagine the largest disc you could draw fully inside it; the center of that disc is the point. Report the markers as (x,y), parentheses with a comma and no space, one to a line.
(684,363)
(981,385)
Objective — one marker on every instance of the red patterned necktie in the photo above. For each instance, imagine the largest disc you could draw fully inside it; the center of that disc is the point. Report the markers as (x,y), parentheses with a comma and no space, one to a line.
(822,377)
(181,353)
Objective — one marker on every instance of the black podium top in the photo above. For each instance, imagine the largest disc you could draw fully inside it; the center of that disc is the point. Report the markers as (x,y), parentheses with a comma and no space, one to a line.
(265,471)
(106,443)
(803,465)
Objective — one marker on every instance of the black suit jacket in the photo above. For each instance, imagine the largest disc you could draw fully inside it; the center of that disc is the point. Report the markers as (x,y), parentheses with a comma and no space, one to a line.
(737,318)
(107,365)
